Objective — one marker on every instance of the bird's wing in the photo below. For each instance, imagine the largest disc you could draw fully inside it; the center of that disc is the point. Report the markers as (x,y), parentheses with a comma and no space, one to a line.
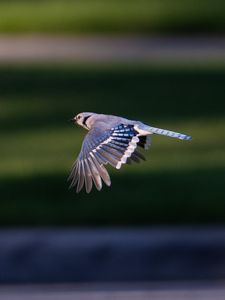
(115,146)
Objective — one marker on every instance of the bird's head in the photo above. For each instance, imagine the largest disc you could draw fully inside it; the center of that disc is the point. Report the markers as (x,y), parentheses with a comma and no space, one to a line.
(83,119)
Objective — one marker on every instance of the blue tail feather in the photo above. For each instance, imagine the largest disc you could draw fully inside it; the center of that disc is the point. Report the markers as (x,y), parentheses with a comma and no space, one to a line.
(166,132)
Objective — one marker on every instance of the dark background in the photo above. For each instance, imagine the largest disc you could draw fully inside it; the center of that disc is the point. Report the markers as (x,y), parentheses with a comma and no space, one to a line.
(181,182)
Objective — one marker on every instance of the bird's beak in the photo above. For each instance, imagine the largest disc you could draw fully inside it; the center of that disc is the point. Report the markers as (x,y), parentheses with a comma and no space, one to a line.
(73,120)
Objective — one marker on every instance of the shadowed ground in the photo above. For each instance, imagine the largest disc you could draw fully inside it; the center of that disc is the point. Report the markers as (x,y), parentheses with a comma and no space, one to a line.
(122,254)
(175,197)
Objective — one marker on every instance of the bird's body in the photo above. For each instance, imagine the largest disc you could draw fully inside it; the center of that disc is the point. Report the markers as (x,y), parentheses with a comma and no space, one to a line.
(110,140)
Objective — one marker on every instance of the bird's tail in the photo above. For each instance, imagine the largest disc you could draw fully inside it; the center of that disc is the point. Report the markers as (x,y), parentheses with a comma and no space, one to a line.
(165,132)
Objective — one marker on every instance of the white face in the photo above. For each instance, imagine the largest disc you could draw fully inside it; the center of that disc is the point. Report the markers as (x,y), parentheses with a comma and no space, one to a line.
(81,119)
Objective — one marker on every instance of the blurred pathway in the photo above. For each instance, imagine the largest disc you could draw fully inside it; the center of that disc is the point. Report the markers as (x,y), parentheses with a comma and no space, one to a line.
(117,291)
(30,49)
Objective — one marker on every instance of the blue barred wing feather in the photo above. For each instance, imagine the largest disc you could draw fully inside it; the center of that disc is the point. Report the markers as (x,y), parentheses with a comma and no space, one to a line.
(116,147)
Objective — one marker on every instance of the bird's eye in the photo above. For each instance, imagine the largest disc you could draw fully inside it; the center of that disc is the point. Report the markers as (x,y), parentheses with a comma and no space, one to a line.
(78,117)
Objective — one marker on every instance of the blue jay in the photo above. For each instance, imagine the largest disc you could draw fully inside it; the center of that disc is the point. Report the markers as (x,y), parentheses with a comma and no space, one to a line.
(110,140)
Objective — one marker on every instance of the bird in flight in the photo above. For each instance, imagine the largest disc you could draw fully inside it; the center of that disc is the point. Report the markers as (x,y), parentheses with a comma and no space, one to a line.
(110,140)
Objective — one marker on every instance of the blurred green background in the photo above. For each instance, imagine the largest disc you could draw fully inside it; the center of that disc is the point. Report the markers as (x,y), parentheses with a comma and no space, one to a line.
(181,182)
(112,16)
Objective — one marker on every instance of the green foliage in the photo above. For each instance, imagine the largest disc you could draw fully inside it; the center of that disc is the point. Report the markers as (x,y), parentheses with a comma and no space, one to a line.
(112,16)
(181,182)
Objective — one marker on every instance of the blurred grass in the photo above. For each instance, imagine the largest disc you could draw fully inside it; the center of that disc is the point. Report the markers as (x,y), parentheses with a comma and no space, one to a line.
(112,16)
(181,182)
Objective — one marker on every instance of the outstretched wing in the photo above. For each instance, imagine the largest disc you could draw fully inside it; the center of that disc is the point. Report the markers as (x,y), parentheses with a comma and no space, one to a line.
(116,146)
